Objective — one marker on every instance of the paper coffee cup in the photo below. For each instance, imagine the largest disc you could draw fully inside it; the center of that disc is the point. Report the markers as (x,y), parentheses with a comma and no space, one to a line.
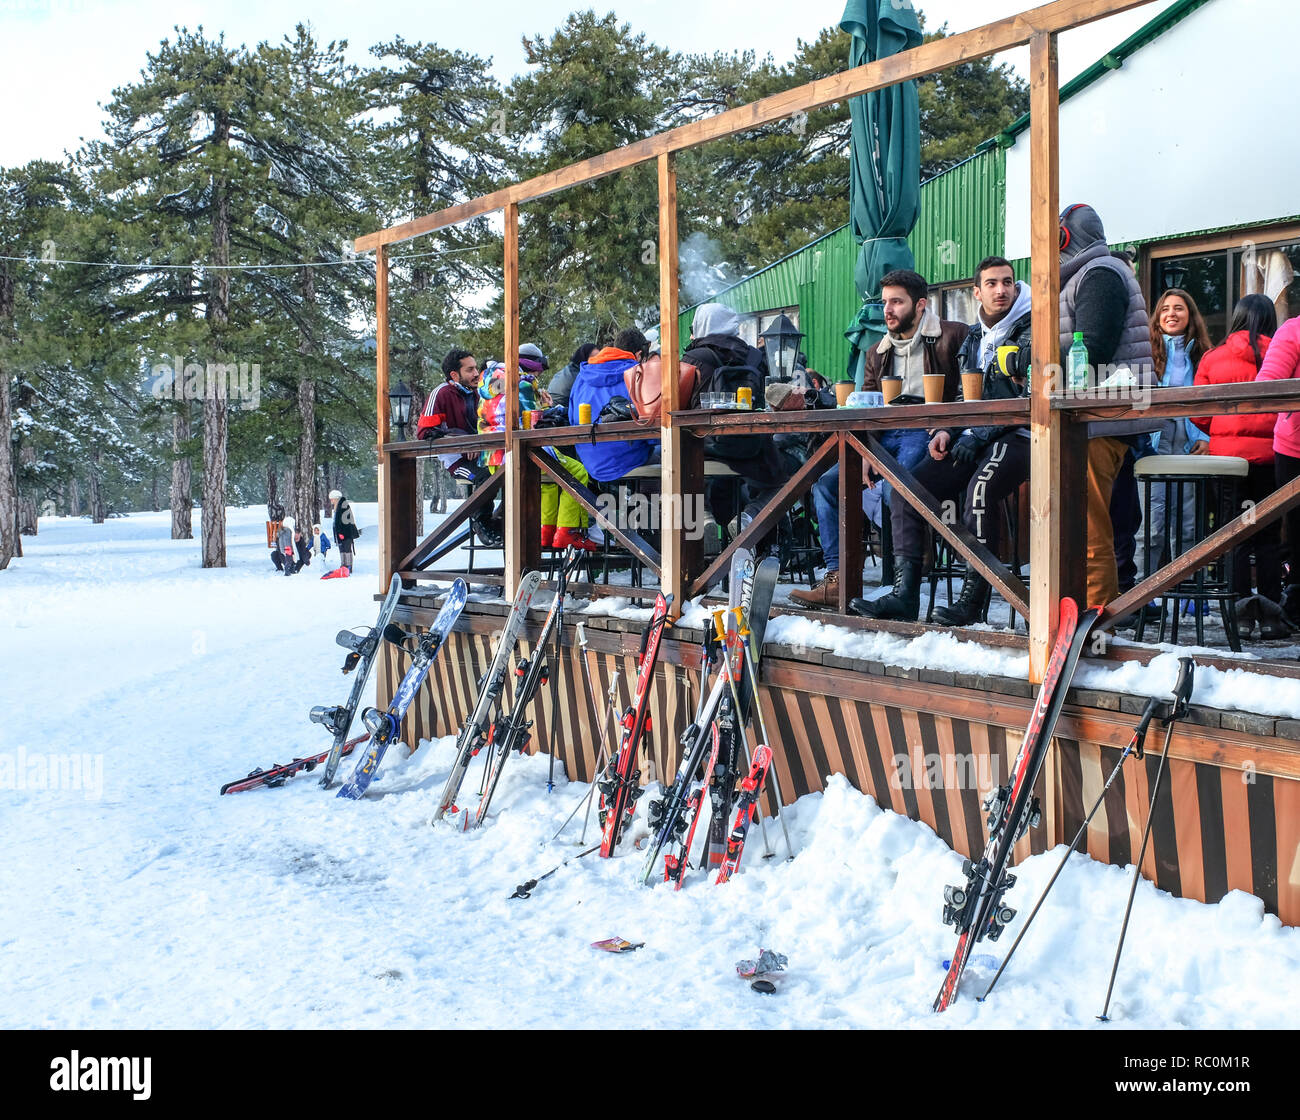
(972,386)
(842,391)
(934,388)
(890,387)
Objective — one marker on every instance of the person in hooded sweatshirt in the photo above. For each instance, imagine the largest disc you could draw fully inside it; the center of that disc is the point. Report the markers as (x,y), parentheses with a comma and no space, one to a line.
(600,379)
(561,385)
(987,464)
(716,344)
(1101,297)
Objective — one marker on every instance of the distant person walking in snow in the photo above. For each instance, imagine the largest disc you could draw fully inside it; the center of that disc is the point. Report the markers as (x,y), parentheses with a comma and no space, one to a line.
(345,529)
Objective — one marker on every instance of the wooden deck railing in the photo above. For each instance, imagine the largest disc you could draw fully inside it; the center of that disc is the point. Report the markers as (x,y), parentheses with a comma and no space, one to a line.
(1057,527)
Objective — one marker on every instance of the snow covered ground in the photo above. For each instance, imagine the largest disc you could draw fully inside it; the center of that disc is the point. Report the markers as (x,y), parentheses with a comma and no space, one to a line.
(139,898)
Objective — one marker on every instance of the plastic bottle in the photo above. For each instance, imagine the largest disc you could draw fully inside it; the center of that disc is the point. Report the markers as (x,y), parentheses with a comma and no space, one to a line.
(1078,376)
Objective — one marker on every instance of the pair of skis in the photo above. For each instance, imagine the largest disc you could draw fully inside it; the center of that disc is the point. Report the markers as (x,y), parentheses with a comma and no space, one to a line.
(385,726)
(620,787)
(510,730)
(975,908)
(363,649)
(718,729)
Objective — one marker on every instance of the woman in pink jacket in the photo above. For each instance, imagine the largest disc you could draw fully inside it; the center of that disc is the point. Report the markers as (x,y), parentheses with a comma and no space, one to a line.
(1283,361)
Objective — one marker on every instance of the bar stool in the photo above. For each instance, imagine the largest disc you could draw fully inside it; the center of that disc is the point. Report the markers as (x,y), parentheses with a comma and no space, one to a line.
(1211,483)
(948,563)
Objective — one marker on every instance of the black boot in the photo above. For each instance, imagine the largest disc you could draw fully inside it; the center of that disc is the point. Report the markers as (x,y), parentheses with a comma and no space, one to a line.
(903,604)
(970,605)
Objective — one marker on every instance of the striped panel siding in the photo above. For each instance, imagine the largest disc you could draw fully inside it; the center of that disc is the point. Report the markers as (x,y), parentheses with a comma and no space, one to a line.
(932,755)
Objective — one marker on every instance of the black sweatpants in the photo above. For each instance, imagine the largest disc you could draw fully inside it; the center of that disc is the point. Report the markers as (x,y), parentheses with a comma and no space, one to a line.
(999,473)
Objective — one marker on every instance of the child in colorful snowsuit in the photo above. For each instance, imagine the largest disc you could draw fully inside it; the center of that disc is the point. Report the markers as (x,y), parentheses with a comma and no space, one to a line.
(564,521)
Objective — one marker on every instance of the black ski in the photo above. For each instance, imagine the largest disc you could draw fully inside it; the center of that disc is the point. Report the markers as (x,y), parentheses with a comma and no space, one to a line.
(976,909)
(475,732)
(362,651)
(511,732)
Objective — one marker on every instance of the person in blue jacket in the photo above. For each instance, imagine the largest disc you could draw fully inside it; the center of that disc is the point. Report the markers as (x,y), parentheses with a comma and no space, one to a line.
(600,379)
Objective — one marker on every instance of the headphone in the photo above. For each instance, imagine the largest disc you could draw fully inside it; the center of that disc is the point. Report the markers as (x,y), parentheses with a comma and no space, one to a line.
(1065,233)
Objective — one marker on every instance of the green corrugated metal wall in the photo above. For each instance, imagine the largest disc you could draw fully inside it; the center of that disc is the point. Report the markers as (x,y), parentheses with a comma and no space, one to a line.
(962,221)
(963,218)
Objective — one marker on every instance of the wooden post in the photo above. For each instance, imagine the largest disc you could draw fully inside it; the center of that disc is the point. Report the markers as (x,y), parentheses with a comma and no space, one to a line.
(520,546)
(674,547)
(388,553)
(1057,531)
(850,527)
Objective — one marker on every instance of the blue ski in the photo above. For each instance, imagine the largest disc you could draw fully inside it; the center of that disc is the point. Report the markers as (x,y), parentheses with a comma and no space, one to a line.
(384,727)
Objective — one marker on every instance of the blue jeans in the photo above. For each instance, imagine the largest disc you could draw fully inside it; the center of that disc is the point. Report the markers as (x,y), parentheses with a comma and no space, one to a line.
(907,445)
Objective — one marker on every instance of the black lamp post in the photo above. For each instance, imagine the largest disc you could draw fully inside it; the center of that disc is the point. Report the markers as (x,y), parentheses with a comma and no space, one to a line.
(399,408)
(782,344)
(1174,276)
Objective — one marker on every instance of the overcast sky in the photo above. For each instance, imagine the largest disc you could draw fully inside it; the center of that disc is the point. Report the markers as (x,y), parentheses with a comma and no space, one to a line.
(63,57)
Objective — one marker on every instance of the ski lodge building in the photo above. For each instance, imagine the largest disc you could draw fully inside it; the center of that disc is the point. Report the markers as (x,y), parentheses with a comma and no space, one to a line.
(1180,138)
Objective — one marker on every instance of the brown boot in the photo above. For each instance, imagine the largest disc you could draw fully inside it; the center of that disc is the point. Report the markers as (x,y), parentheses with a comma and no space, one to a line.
(826,595)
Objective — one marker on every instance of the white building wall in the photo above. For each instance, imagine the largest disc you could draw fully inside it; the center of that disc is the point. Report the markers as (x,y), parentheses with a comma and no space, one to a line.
(1198,130)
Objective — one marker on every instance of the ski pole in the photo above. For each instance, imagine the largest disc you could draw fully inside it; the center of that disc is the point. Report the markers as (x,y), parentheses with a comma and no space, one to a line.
(746,635)
(524,890)
(735,699)
(604,750)
(600,766)
(569,558)
(1135,747)
(1183,691)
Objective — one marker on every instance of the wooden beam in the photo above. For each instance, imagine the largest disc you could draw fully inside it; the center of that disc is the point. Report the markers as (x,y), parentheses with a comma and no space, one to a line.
(630,540)
(986,562)
(1216,544)
(929,58)
(519,498)
(422,553)
(672,483)
(954,414)
(1241,398)
(1047,577)
(770,514)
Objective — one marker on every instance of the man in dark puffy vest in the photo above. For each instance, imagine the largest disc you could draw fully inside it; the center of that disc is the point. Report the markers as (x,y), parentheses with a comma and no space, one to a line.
(1101,298)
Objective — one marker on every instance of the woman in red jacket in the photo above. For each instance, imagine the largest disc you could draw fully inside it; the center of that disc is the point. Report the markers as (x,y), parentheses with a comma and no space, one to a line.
(1254,320)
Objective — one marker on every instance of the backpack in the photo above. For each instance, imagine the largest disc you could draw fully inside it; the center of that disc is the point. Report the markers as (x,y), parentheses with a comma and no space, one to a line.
(727,379)
(645,387)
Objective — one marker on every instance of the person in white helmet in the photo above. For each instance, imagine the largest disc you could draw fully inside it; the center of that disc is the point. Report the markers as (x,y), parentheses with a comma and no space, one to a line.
(345,529)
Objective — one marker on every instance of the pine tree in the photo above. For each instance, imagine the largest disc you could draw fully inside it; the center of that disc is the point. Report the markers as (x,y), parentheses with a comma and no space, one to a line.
(588,256)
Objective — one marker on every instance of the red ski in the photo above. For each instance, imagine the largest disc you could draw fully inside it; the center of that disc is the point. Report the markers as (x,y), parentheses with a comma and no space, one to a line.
(620,789)
(751,789)
(675,865)
(278,774)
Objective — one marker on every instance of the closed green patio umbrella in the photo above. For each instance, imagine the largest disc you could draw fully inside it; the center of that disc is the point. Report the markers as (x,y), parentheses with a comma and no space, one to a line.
(885,162)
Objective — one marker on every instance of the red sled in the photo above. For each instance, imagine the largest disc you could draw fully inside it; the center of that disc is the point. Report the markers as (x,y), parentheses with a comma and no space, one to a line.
(338,573)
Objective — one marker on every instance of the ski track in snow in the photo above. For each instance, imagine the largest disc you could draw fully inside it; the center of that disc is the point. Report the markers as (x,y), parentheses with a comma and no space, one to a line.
(154,902)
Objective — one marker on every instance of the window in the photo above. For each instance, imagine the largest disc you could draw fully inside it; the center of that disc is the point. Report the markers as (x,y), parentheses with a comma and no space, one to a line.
(1218,278)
